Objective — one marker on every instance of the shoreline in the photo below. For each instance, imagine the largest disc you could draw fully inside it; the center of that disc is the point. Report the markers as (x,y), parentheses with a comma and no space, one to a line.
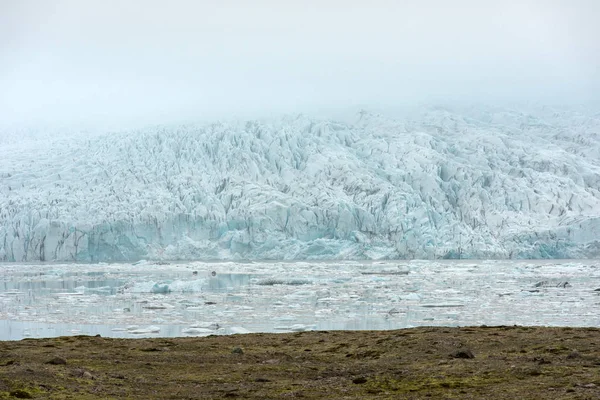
(501,362)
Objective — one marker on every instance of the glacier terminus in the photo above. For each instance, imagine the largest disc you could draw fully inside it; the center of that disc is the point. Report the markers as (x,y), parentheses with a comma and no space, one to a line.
(478,182)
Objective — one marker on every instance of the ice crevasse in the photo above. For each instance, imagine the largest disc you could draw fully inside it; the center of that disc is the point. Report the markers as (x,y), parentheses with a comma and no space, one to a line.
(440,183)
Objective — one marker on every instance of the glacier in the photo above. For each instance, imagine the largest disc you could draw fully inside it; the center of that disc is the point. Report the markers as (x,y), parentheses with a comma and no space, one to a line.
(438,182)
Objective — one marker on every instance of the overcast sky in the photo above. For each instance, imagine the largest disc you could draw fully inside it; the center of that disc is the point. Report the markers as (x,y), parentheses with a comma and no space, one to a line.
(157,61)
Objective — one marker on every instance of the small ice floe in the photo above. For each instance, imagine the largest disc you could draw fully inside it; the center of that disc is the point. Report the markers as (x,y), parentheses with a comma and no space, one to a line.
(102,289)
(160,288)
(301,327)
(206,325)
(238,330)
(410,296)
(197,331)
(327,299)
(323,312)
(301,294)
(143,331)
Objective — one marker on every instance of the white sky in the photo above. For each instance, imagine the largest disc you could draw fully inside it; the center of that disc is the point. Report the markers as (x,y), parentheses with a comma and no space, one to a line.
(153,61)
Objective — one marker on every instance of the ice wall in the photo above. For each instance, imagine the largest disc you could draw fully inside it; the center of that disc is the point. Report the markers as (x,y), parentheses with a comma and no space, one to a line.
(472,183)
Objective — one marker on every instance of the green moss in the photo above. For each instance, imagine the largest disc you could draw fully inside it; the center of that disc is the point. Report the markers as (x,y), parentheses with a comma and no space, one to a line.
(430,384)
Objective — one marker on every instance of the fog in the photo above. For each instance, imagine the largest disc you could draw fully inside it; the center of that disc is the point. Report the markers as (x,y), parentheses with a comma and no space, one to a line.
(94,62)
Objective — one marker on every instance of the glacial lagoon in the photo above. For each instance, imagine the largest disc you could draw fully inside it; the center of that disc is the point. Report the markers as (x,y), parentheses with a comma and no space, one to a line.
(148,299)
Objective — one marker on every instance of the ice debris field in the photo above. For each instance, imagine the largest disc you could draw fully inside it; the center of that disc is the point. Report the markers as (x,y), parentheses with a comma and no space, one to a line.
(477,182)
(150,299)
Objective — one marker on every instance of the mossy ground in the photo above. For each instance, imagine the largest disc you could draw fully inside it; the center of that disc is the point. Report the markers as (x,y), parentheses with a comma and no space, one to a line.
(508,363)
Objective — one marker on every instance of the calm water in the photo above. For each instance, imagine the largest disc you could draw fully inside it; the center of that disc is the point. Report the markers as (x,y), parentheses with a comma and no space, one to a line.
(196,299)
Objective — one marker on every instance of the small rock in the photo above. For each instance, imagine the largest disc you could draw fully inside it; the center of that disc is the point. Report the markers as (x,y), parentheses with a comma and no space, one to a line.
(541,360)
(360,380)
(87,375)
(463,353)
(57,361)
(20,394)
(589,385)
(237,350)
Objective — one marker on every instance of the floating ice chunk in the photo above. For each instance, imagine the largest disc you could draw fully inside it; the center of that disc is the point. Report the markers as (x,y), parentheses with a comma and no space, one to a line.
(238,330)
(301,294)
(196,331)
(143,331)
(207,325)
(158,288)
(327,300)
(301,327)
(411,296)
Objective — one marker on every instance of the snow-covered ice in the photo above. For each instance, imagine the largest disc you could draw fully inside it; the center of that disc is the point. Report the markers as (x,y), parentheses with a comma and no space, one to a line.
(473,183)
(39,300)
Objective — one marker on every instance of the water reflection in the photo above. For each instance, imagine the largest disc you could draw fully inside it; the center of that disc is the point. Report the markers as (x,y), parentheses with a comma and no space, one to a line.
(121,300)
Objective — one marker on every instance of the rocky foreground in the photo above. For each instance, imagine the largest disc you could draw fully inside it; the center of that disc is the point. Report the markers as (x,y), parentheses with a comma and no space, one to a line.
(473,362)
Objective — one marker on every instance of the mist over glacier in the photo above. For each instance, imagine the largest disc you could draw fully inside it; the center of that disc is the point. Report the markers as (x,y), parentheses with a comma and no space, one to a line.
(470,182)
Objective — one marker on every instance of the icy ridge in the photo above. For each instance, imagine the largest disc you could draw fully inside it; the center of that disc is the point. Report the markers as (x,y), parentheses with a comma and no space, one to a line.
(474,183)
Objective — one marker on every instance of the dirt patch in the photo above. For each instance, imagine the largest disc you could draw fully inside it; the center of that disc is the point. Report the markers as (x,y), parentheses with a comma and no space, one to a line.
(419,363)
